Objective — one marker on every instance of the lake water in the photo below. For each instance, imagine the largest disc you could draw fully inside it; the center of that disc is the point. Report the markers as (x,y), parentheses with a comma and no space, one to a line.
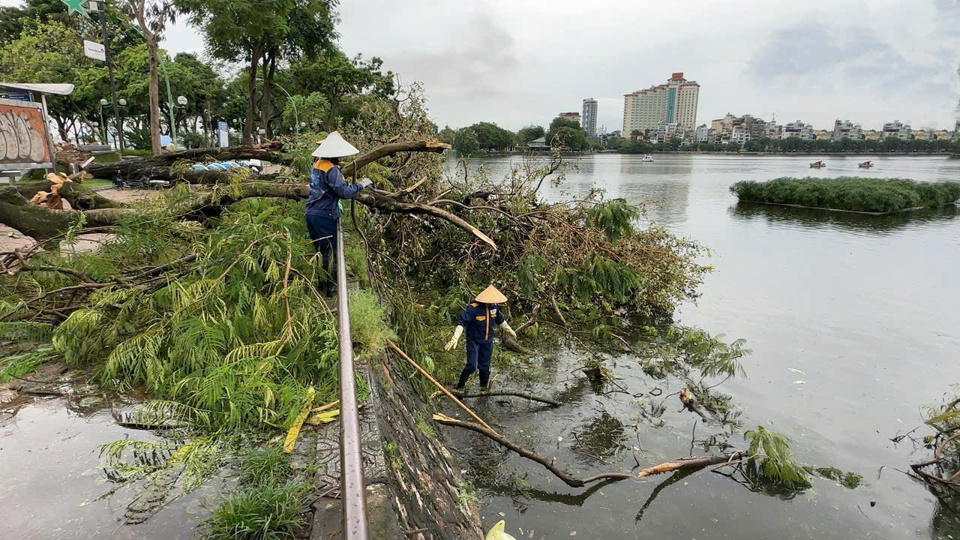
(865,307)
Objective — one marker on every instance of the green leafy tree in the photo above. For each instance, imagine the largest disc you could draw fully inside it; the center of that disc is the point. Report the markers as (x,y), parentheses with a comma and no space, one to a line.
(447,135)
(466,142)
(492,137)
(311,109)
(335,76)
(568,133)
(262,33)
(530,133)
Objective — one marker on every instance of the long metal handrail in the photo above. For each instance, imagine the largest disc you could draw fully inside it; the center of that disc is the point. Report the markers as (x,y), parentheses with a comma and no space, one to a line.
(352,492)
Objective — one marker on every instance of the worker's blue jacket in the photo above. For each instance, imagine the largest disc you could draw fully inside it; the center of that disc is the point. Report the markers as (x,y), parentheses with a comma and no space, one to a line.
(479,319)
(327,187)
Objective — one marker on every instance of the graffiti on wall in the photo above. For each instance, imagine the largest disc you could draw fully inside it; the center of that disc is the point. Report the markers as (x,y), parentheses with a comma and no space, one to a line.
(23,135)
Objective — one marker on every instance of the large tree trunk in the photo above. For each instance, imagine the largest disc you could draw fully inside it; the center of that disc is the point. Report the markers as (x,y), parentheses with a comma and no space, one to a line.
(41,223)
(154,94)
(252,95)
(128,167)
(212,203)
(266,106)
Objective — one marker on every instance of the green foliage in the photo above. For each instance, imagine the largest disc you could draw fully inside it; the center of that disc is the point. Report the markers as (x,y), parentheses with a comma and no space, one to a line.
(266,465)
(111,157)
(368,325)
(679,349)
(770,460)
(854,194)
(490,136)
(139,138)
(30,331)
(194,139)
(568,134)
(849,480)
(614,217)
(269,503)
(530,133)
(236,340)
(466,142)
(16,365)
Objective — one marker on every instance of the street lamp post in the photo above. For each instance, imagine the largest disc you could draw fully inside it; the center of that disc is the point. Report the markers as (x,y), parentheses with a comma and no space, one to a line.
(123,103)
(103,121)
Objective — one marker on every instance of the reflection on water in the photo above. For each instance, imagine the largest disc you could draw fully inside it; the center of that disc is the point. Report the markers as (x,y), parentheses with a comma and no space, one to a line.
(818,219)
(865,307)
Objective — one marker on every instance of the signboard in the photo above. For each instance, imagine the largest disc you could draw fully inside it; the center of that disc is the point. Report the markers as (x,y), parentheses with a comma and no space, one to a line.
(24,142)
(92,49)
(14,93)
(223,134)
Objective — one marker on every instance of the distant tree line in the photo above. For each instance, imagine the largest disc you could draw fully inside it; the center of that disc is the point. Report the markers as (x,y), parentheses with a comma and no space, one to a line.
(793,144)
(485,137)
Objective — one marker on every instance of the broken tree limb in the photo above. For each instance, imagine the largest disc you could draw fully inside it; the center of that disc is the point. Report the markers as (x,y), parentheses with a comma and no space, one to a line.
(512,344)
(79,196)
(439,386)
(567,478)
(133,166)
(514,393)
(42,223)
(691,463)
(390,149)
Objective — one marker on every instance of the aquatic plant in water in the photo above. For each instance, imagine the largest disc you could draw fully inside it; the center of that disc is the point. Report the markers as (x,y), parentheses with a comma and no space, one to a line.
(880,195)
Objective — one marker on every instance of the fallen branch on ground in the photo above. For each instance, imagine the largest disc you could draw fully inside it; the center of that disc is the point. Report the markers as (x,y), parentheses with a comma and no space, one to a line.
(514,393)
(547,463)
(439,386)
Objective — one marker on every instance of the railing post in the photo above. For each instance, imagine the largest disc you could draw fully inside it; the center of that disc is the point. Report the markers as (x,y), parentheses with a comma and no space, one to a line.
(352,486)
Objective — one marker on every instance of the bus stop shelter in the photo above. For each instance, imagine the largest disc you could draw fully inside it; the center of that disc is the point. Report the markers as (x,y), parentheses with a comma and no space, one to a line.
(25,141)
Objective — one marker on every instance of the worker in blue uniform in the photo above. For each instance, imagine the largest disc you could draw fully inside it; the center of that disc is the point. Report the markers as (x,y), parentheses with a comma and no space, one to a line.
(479,320)
(327,187)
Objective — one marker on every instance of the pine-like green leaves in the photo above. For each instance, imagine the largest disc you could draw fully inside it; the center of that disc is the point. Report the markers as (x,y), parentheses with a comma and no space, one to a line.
(770,460)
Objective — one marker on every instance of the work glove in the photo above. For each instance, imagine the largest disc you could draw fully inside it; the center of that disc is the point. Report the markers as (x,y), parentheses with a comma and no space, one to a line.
(453,341)
(365,183)
(506,328)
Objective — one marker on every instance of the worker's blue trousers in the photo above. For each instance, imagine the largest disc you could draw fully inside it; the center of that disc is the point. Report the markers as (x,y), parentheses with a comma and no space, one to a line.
(478,357)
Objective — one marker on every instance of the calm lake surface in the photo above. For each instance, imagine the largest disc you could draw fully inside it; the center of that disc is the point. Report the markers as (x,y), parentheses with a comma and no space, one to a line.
(866,309)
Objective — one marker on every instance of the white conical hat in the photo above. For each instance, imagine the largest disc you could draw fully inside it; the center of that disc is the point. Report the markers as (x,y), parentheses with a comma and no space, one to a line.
(491,295)
(335,146)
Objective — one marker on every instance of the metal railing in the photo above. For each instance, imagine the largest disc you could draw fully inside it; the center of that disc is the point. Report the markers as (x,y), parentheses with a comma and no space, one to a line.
(352,487)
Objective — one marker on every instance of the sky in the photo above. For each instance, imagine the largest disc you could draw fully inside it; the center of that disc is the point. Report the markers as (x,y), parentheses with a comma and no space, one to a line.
(521,62)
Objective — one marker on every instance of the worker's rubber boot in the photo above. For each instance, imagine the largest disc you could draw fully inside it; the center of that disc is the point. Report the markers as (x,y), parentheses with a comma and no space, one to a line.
(462,383)
(484,380)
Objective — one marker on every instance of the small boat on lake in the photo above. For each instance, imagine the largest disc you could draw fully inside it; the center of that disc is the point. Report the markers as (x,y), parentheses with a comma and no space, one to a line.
(647,159)
(865,165)
(818,164)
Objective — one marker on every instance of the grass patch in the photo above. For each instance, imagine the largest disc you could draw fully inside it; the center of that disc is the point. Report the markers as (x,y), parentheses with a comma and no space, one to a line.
(110,157)
(269,504)
(97,182)
(879,195)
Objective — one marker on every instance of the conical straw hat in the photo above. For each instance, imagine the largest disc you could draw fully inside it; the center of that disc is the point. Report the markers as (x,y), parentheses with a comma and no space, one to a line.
(491,295)
(334,146)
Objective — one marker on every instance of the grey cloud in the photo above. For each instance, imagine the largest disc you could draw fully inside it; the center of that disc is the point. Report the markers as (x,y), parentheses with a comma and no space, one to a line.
(473,67)
(814,53)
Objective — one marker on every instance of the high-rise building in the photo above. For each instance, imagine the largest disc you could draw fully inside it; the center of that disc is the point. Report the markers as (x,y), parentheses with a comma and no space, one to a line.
(897,129)
(575,116)
(672,103)
(589,117)
(845,129)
